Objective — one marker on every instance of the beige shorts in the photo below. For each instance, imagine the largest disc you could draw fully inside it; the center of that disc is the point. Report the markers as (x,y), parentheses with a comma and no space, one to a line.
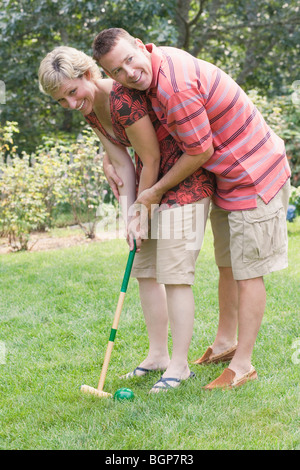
(169,254)
(254,242)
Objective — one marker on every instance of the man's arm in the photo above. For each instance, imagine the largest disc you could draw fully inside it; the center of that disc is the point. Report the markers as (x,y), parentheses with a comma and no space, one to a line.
(185,166)
(143,139)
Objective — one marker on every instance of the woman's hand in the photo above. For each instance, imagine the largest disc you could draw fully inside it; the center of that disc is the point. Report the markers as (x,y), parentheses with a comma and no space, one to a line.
(137,228)
(113,179)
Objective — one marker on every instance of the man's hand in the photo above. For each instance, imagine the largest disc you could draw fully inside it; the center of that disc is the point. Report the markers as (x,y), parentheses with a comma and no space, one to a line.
(185,166)
(149,197)
(112,178)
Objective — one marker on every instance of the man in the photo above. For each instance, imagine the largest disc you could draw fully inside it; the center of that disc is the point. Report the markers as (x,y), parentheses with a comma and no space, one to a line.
(218,127)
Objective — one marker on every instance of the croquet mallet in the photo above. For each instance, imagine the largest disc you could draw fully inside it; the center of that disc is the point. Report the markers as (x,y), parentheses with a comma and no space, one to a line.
(99,390)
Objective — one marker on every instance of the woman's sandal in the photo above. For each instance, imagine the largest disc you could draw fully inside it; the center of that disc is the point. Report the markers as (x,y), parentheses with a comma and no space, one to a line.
(143,371)
(163,385)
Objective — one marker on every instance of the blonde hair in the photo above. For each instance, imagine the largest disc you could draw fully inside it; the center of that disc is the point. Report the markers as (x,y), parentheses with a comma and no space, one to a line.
(64,63)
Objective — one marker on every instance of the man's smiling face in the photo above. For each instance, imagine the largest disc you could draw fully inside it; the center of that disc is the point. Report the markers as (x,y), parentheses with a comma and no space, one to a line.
(129,65)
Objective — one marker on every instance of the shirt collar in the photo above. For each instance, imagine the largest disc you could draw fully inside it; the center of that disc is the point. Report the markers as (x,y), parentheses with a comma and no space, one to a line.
(156,59)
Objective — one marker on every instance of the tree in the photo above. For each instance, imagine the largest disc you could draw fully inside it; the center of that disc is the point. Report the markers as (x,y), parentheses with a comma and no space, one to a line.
(30,29)
(257,42)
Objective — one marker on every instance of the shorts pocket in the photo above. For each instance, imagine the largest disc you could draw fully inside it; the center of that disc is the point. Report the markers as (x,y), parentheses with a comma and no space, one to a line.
(265,233)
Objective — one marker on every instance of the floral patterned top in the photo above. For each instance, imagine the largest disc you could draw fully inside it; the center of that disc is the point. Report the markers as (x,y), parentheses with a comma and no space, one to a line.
(126,107)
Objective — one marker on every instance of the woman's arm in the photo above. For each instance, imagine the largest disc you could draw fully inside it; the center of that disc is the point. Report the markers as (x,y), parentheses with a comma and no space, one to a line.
(124,168)
(143,139)
(119,158)
(112,178)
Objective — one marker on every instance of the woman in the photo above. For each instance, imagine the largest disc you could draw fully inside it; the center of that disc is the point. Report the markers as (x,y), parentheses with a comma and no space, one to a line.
(164,266)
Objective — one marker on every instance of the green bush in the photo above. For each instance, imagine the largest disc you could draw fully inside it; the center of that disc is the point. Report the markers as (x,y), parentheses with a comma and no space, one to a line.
(85,183)
(7,145)
(32,187)
(22,207)
(295,198)
(50,164)
(283,116)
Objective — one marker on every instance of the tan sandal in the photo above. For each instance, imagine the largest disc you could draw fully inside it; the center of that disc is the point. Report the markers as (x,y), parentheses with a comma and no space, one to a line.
(210,358)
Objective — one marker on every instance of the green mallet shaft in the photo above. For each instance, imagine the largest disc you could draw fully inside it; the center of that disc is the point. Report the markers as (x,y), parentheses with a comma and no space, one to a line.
(113,331)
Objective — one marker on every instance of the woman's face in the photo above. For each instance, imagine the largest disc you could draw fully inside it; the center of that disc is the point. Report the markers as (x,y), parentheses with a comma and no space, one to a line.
(78,94)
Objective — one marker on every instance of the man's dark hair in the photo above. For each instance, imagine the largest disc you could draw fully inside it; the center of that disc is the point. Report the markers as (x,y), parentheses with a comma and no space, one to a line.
(107,39)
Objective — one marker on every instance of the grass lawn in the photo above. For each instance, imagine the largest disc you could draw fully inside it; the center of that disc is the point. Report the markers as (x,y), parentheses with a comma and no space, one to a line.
(56,312)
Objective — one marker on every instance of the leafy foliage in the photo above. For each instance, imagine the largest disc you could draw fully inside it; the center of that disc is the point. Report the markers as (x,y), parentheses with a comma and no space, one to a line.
(283,116)
(22,207)
(295,199)
(33,186)
(84,181)
(257,42)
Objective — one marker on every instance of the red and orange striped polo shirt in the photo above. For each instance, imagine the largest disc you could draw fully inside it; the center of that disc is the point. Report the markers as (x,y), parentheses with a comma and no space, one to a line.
(200,105)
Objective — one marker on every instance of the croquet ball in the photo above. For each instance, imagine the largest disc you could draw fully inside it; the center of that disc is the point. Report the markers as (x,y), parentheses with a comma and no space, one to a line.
(124,394)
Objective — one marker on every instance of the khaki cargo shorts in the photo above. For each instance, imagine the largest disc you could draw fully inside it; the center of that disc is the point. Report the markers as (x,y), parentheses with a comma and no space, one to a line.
(169,254)
(254,242)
